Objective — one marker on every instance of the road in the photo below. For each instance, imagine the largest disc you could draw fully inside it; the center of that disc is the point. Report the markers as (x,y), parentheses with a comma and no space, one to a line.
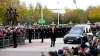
(35,48)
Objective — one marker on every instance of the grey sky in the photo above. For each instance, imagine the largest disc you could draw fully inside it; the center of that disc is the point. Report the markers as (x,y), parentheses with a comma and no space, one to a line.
(52,4)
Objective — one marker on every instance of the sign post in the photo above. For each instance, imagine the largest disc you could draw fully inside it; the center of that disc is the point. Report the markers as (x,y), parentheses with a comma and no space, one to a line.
(41,21)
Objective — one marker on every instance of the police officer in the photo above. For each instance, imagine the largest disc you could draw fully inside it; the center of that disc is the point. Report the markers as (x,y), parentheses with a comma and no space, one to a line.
(30,34)
(45,32)
(42,33)
(58,31)
(49,30)
(64,30)
(68,28)
(33,32)
(53,35)
(36,33)
(15,38)
(93,28)
(61,31)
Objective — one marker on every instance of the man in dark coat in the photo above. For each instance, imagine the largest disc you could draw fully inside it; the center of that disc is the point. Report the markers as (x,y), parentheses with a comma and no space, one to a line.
(41,33)
(93,28)
(15,38)
(36,33)
(49,32)
(53,36)
(30,35)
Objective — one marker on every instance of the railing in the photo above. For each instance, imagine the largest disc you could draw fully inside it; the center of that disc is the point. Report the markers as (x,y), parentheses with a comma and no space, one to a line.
(7,41)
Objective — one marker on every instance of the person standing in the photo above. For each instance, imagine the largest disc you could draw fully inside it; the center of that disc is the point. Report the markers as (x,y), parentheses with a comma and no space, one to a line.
(53,35)
(15,38)
(30,34)
(49,32)
(42,33)
(36,33)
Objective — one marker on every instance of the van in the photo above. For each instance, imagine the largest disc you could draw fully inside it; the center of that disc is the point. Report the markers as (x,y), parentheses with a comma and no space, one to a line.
(78,33)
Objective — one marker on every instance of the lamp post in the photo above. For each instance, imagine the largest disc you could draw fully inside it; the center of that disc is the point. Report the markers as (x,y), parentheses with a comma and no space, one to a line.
(75,3)
(41,9)
(58,13)
(41,12)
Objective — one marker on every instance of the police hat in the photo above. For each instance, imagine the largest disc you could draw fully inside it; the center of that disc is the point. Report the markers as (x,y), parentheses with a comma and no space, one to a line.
(53,24)
(70,22)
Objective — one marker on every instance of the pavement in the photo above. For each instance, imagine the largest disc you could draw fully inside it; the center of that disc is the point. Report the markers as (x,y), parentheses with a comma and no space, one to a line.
(35,48)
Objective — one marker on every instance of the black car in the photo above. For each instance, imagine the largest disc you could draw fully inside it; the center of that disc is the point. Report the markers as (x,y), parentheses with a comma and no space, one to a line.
(77,33)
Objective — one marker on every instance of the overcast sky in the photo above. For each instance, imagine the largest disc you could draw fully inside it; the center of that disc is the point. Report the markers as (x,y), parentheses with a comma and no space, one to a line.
(52,4)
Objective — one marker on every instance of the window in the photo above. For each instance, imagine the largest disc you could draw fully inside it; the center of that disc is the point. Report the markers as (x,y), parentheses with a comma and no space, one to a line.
(87,31)
(76,30)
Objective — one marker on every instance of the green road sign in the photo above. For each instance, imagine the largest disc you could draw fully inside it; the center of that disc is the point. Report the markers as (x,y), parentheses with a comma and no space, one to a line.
(42,21)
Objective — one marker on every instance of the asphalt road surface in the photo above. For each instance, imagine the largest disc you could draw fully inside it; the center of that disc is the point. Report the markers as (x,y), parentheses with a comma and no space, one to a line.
(35,48)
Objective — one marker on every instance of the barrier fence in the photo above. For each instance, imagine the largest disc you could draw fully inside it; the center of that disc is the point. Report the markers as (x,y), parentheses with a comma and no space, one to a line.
(7,41)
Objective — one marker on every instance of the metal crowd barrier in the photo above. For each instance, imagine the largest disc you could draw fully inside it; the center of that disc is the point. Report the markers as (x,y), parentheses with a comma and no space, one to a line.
(33,35)
(2,42)
(11,41)
(26,35)
(6,41)
(20,40)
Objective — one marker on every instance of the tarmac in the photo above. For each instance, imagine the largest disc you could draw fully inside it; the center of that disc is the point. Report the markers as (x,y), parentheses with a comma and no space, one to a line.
(35,48)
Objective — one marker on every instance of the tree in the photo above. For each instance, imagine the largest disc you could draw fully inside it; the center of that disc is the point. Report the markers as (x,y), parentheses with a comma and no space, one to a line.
(37,12)
(31,13)
(23,13)
(94,14)
(76,15)
(48,15)
(38,8)
(86,12)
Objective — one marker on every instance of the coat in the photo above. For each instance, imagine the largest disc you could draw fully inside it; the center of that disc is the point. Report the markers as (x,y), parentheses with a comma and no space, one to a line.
(53,35)
(30,33)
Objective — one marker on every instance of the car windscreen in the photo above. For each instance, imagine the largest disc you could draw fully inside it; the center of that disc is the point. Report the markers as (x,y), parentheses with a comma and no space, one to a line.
(77,30)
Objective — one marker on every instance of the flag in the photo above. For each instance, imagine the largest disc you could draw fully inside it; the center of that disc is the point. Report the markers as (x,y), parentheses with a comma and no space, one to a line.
(74,1)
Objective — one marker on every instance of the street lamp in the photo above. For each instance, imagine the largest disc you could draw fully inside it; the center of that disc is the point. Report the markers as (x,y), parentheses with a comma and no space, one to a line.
(58,12)
(75,3)
(41,10)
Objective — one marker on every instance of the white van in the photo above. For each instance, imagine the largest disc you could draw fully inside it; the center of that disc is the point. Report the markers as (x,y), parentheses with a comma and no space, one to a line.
(78,32)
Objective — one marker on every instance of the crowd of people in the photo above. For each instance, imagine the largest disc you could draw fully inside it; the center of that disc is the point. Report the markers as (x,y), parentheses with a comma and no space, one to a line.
(11,33)
(33,32)
(91,48)
(40,32)
(95,28)
(46,30)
